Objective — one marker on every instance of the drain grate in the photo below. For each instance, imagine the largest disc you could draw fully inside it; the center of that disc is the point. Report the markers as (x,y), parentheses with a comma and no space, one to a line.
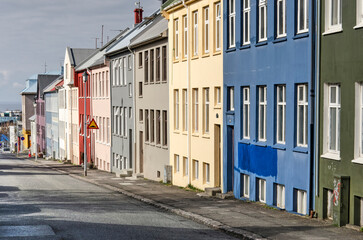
(26,231)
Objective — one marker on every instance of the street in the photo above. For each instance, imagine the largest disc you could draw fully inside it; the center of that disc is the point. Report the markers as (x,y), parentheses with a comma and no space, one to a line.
(39,203)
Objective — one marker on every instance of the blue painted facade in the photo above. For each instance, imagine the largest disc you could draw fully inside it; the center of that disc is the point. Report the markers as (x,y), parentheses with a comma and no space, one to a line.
(285,61)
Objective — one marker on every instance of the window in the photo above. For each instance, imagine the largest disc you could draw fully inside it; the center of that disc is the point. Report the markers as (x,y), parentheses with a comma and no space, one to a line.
(217,24)
(232,20)
(206,173)
(146,69)
(195,170)
(206,110)
(185,166)
(206,30)
(121,73)
(359,13)
(147,136)
(140,59)
(217,96)
(262,190)
(140,89)
(165,128)
(141,116)
(246,113)
(176,109)
(329,204)
(152,70)
(262,20)
(107,94)
(281,114)
(195,33)
(152,126)
(333,15)
(158,126)
(246,185)
(231,99)
(262,105)
(359,121)
(158,65)
(301,201)
(302,16)
(280,196)
(165,64)
(125,122)
(281,18)
(176,163)
(302,115)
(125,72)
(195,110)
(129,63)
(130,112)
(185,36)
(246,21)
(185,110)
(334,119)
(176,38)
(130,90)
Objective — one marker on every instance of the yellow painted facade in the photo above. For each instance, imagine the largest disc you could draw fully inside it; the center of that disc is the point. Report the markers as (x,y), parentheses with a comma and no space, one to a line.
(27,136)
(196,75)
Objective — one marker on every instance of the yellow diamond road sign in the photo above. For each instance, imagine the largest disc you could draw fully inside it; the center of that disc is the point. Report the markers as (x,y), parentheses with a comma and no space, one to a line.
(92,125)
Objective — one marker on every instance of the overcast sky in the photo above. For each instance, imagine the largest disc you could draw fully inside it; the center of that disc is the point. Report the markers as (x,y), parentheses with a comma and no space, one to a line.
(35,31)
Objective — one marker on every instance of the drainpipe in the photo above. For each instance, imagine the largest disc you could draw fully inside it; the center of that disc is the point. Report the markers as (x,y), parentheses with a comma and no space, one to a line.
(188,98)
(133,105)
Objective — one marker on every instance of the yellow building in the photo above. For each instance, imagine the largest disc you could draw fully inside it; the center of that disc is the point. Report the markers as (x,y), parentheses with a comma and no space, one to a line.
(195,90)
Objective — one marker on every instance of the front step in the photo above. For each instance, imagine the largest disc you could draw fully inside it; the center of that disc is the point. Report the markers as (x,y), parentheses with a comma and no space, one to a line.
(124,173)
(212,191)
(135,176)
(228,195)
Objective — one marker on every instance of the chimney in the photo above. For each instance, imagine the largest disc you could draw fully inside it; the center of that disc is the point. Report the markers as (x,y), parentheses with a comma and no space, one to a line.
(138,14)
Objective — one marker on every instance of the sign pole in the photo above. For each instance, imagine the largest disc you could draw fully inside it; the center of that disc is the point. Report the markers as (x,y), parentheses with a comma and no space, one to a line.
(85,125)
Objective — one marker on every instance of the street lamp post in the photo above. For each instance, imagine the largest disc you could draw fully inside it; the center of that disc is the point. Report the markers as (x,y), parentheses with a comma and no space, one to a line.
(36,128)
(85,124)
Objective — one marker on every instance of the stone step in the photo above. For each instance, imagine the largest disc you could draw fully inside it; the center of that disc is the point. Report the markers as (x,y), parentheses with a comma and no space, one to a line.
(212,191)
(228,195)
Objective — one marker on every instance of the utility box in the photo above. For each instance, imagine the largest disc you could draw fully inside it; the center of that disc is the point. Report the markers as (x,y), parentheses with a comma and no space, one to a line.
(341,193)
(168,169)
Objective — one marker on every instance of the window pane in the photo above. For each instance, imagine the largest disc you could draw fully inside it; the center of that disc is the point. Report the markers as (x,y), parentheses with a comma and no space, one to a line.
(333,127)
(262,116)
(334,13)
(301,125)
(281,21)
(301,14)
(333,95)
(262,23)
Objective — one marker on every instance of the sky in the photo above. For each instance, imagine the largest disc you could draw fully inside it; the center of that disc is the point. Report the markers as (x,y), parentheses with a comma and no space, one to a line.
(33,32)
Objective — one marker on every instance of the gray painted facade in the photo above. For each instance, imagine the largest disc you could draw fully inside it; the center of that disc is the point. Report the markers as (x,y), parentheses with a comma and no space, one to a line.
(51,125)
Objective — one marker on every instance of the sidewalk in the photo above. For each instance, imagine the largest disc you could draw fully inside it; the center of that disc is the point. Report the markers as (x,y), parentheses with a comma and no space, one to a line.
(245,220)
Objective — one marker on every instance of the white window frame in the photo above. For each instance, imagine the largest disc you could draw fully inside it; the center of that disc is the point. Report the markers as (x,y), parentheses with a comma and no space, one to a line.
(185,166)
(262,190)
(176,163)
(125,71)
(195,169)
(185,36)
(262,31)
(231,99)
(281,106)
(358,133)
(206,30)
(232,23)
(302,102)
(176,109)
(246,112)
(305,17)
(359,6)
(246,186)
(246,21)
(262,107)
(206,173)
(283,18)
(334,105)
(206,110)
(195,33)
(280,196)
(331,27)
(329,204)
(176,38)
(217,27)
(185,110)
(217,96)
(195,110)
(301,202)
(120,72)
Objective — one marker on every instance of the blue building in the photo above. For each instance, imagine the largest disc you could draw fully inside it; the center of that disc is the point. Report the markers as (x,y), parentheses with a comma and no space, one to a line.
(269,63)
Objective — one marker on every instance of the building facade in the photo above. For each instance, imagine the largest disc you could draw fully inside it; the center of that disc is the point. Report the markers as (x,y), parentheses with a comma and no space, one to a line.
(195,92)
(268,97)
(152,99)
(340,152)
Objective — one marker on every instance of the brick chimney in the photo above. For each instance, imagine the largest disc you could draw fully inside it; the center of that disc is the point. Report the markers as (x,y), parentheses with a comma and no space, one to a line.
(138,15)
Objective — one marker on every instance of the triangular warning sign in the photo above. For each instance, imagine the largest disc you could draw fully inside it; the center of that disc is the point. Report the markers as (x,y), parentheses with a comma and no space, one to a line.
(92,124)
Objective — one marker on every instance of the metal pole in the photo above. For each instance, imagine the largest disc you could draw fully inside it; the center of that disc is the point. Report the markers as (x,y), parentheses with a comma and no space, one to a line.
(85,126)
(17,138)
(36,134)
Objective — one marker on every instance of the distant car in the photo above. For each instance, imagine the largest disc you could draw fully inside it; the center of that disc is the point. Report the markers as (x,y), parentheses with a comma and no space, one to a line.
(6,150)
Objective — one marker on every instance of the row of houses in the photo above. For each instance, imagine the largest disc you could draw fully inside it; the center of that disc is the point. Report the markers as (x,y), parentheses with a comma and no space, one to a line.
(262,99)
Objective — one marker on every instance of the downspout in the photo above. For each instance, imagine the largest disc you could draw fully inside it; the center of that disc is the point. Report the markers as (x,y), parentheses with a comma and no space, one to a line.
(188,97)
(317,87)
(133,105)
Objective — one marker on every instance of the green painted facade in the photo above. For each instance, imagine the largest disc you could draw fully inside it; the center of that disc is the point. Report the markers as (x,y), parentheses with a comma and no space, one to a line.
(341,62)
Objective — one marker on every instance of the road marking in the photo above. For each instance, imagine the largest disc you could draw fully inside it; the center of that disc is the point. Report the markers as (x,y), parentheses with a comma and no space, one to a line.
(26,231)
(126,184)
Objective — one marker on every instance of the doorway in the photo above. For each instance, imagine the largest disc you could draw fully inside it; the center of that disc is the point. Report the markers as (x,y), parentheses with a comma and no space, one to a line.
(141,152)
(230,158)
(217,155)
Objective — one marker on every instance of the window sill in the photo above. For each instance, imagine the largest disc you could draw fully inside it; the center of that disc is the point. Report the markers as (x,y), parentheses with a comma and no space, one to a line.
(195,134)
(333,30)
(230,50)
(205,55)
(184,59)
(246,46)
(185,133)
(245,141)
(217,106)
(279,146)
(280,39)
(176,132)
(260,144)
(176,60)
(301,150)
(358,160)
(332,156)
(301,35)
(360,25)
(261,43)
(217,53)
(205,136)
(195,57)
(229,112)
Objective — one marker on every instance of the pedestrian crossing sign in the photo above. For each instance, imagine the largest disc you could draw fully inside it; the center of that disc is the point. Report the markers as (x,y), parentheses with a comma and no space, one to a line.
(92,124)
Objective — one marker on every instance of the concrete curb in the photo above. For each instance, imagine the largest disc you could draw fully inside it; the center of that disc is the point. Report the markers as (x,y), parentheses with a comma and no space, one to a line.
(239,233)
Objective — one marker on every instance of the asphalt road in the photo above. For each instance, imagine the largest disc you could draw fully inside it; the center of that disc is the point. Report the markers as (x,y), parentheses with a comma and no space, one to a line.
(39,203)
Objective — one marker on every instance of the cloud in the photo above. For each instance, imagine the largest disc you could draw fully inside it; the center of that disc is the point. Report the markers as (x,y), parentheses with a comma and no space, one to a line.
(4,78)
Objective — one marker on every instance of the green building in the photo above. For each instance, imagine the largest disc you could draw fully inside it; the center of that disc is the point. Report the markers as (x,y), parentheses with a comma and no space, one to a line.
(340,112)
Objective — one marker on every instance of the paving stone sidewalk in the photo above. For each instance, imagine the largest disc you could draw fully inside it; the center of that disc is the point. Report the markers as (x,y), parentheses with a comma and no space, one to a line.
(247,220)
